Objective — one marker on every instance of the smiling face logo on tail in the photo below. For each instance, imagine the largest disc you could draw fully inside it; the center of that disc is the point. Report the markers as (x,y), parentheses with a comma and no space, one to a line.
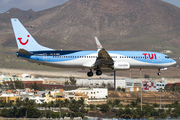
(23,43)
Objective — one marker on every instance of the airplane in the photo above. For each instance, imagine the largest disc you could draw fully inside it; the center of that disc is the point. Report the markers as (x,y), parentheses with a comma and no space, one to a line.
(98,60)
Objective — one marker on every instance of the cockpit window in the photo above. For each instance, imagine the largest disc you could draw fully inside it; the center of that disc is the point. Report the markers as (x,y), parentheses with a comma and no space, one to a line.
(167,57)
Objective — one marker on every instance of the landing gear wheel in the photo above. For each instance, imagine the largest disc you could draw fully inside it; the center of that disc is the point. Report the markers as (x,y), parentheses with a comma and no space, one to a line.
(90,74)
(98,72)
(159,73)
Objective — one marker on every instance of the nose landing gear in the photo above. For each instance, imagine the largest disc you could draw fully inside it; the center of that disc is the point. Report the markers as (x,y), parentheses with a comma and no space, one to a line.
(159,73)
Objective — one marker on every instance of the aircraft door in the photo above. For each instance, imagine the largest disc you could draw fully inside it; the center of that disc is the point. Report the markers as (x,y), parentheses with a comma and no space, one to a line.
(44,57)
(159,58)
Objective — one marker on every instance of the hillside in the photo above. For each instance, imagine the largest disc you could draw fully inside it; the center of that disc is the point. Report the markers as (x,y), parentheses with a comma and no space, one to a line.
(124,23)
(151,25)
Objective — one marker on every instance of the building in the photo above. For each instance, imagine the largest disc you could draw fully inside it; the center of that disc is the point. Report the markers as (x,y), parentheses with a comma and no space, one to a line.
(37,99)
(87,94)
(149,85)
(93,93)
(137,86)
(102,82)
(72,95)
(130,84)
(54,81)
(166,51)
(9,97)
(160,85)
(60,95)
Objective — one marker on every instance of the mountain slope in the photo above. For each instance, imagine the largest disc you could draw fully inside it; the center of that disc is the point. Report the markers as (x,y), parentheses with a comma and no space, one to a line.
(77,21)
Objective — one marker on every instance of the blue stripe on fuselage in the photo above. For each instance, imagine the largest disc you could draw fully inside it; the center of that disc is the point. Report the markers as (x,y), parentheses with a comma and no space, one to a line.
(54,56)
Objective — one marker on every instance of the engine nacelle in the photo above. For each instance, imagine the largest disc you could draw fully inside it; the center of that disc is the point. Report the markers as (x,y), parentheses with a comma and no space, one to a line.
(121,66)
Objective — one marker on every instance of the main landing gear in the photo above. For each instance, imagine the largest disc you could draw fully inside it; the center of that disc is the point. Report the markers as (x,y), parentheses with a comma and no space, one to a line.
(159,73)
(90,73)
(98,72)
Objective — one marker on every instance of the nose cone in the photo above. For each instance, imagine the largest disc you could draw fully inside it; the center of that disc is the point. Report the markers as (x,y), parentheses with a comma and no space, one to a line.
(173,62)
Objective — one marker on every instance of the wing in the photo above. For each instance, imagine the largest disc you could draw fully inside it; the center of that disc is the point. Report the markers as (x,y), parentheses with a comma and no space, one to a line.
(103,58)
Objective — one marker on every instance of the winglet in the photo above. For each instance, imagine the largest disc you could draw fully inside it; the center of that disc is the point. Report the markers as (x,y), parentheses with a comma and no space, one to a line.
(99,46)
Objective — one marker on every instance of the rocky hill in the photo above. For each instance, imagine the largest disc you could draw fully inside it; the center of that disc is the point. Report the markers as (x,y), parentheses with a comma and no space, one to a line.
(151,25)
(115,22)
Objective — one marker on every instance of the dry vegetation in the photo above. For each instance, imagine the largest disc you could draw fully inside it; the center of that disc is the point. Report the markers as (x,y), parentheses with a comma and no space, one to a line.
(147,97)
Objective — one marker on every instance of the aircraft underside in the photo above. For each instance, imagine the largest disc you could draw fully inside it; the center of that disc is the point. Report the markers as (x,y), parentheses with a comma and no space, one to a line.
(99,69)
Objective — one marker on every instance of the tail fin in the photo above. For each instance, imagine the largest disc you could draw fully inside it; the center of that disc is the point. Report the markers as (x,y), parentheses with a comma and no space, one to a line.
(99,46)
(24,39)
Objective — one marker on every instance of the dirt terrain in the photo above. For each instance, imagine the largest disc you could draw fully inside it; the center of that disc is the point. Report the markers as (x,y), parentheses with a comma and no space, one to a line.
(78,73)
(172,74)
(147,97)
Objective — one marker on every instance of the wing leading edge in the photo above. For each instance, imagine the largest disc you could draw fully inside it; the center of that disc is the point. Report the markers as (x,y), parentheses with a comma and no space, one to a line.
(103,56)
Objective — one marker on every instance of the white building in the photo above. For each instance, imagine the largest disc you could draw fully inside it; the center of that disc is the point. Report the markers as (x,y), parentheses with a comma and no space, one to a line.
(123,83)
(99,82)
(92,93)
(166,51)
(37,99)
(130,84)
(160,85)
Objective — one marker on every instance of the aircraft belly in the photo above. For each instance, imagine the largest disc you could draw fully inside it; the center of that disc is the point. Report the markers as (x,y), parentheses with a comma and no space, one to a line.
(70,64)
(139,64)
(78,63)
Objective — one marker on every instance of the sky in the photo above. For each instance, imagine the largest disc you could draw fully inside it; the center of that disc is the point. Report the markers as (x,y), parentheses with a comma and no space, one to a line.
(174,2)
(38,5)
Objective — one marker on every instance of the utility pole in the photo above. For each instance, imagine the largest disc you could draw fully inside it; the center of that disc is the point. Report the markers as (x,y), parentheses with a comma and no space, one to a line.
(160,95)
(160,98)
(95,98)
(141,89)
(59,109)
(95,101)
(115,80)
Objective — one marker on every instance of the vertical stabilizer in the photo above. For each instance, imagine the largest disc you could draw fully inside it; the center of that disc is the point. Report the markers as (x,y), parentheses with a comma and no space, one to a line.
(99,46)
(24,39)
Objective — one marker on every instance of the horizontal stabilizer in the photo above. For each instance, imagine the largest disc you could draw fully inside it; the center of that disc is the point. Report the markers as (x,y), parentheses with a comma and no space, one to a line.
(23,52)
(10,52)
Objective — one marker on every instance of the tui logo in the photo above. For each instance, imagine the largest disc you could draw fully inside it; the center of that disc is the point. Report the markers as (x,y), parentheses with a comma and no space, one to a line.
(151,56)
(24,43)
(98,46)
